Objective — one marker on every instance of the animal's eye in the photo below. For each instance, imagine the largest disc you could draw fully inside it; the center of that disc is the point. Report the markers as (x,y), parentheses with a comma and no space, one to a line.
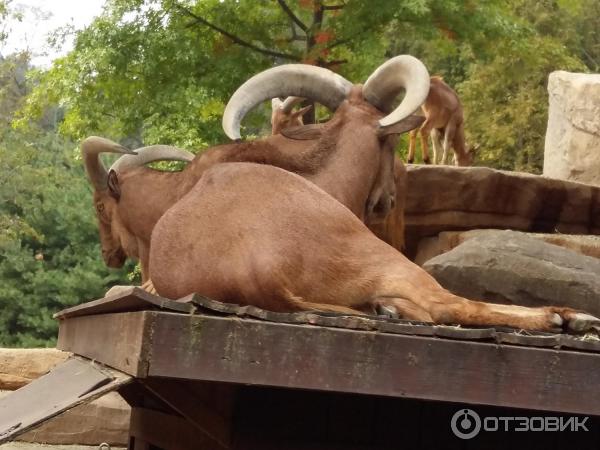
(101,211)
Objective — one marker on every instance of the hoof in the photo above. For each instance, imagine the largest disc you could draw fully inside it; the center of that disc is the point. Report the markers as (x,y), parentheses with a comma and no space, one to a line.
(149,287)
(427,161)
(387,311)
(410,161)
(575,321)
(582,322)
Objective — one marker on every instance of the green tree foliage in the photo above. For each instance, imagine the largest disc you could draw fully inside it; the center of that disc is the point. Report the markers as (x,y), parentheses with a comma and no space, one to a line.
(49,250)
(162,71)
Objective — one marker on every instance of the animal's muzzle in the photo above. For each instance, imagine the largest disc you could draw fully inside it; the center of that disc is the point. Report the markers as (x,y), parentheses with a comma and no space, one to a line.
(381,208)
(115,258)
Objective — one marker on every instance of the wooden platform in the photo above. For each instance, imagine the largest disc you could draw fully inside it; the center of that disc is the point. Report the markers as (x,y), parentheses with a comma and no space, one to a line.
(196,361)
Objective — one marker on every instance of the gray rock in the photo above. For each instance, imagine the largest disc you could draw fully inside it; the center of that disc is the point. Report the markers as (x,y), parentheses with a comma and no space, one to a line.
(572,149)
(509,267)
(431,247)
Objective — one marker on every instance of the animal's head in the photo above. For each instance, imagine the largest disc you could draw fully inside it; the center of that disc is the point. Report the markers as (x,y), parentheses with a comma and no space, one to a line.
(283,115)
(117,240)
(368,121)
(468,157)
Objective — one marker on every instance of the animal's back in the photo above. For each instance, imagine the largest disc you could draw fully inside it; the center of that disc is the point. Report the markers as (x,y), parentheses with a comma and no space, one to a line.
(442,102)
(257,234)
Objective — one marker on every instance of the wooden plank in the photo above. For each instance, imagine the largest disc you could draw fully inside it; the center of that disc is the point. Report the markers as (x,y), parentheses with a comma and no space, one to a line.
(117,340)
(71,383)
(167,431)
(130,299)
(202,416)
(307,357)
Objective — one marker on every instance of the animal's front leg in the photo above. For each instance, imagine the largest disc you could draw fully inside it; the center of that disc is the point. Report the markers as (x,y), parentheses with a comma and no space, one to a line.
(448,138)
(148,286)
(436,144)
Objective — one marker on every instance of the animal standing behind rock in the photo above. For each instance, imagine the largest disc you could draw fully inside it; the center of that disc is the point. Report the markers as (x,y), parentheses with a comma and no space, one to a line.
(351,157)
(443,117)
(283,114)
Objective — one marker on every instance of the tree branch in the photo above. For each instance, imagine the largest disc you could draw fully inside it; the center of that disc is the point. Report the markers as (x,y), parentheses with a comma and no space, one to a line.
(333,7)
(292,16)
(335,62)
(236,39)
(315,27)
(347,40)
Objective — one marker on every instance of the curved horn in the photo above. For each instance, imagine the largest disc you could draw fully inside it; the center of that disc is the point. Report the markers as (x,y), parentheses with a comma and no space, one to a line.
(288,104)
(90,151)
(150,154)
(316,83)
(385,84)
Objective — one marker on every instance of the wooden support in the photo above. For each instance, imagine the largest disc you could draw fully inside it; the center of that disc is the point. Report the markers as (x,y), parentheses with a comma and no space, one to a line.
(166,431)
(253,352)
(182,398)
(117,340)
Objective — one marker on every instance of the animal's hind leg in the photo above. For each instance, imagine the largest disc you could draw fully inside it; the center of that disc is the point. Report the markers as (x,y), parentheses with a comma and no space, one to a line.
(412,142)
(402,307)
(424,132)
(298,304)
(447,308)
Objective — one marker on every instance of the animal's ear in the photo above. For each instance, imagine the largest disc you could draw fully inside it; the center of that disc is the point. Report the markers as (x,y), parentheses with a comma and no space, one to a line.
(304,132)
(409,123)
(113,185)
(275,103)
(302,111)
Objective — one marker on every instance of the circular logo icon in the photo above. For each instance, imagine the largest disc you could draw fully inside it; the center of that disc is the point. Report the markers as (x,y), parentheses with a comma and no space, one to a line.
(465,424)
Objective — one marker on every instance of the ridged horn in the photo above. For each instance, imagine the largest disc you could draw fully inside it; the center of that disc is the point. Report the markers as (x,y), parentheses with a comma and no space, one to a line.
(300,80)
(384,85)
(150,154)
(91,148)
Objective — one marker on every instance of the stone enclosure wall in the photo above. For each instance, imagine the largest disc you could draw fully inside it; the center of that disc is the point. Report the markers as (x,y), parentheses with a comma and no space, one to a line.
(572,150)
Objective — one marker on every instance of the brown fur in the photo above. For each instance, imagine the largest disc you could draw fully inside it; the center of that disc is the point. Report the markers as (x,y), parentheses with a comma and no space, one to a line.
(443,115)
(288,246)
(387,225)
(350,162)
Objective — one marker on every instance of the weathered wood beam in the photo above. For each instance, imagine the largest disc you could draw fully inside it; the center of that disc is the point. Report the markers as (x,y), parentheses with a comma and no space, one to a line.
(118,340)
(320,358)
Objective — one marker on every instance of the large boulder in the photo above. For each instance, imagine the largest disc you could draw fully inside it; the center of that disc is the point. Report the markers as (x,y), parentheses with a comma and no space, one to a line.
(447,198)
(509,267)
(103,420)
(444,242)
(19,366)
(572,149)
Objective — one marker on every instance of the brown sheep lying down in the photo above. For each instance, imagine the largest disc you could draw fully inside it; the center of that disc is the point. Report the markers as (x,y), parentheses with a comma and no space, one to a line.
(259,235)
